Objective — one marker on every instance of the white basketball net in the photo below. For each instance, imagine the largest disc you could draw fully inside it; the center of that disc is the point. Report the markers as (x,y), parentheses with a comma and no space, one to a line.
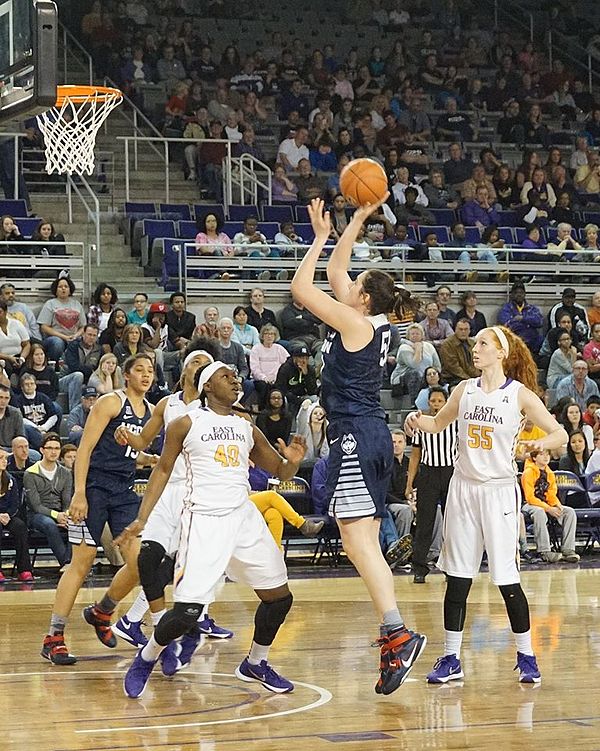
(70,131)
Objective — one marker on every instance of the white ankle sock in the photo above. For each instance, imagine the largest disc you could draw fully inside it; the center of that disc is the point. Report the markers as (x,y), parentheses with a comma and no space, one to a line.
(453,643)
(157,616)
(258,653)
(137,611)
(151,652)
(523,642)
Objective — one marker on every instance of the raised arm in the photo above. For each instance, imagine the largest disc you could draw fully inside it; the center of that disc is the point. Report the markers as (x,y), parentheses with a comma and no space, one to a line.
(339,316)
(339,261)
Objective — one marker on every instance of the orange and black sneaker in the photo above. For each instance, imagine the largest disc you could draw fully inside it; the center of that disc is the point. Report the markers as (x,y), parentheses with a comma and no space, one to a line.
(55,650)
(399,651)
(101,623)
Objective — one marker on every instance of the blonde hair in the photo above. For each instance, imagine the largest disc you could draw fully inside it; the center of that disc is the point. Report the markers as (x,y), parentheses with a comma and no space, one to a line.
(116,377)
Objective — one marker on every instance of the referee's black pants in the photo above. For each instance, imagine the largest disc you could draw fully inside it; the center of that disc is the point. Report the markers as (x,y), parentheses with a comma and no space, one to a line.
(432,488)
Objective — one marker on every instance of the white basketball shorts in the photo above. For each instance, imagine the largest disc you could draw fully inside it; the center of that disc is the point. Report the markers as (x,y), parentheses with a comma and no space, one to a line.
(481,517)
(164,523)
(238,543)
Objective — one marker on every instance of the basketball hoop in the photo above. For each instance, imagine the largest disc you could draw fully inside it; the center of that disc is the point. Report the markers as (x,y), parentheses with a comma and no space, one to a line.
(70,127)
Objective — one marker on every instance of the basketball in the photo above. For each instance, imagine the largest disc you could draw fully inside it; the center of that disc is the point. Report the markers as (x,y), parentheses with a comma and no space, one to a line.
(363,181)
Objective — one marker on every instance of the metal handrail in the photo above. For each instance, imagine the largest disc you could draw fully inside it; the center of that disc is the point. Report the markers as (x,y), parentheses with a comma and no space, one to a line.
(165,142)
(75,42)
(38,263)
(93,214)
(248,165)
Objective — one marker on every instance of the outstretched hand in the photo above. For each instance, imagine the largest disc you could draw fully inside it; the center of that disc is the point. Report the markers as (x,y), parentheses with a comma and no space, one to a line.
(130,532)
(295,451)
(319,219)
(412,423)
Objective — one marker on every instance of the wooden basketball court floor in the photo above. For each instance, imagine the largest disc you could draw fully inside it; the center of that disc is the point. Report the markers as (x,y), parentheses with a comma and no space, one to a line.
(325,648)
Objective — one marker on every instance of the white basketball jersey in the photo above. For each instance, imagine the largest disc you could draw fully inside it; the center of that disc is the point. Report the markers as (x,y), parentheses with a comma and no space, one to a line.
(216,453)
(488,428)
(174,408)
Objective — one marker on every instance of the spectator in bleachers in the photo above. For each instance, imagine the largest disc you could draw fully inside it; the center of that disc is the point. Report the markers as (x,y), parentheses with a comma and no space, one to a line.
(402,183)
(107,377)
(293,150)
(541,500)
(169,68)
(562,359)
(297,378)
(431,377)
(247,145)
(479,178)
(312,426)
(83,353)
(232,352)
(275,420)
(416,120)
(266,358)
(10,501)
(196,106)
(579,157)
(503,181)
(174,124)
(10,233)
(323,108)
(309,185)
(77,417)
(380,224)
(453,124)
(392,134)
(104,300)
(139,312)
(210,159)
(571,419)
(543,190)
(414,356)
(211,240)
(180,321)
(591,353)
(592,124)
(322,156)
(332,187)
(553,160)
(410,211)
(458,167)
(593,313)
(578,386)
(131,343)
(38,411)
(565,243)
(11,419)
(61,318)
(456,355)
(293,100)
(365,86)
(113,332)
(479,211)
(578,454)
(575,311)
(587,177)
(511,127)
(468,312)
(46,233)
(209,328)
(535,130)
(345,145)
(14,341)
(439,196)
(232,131)
(344,118)
(205,65)
(563,213)
(243,333)
(197,129)
(287,238)
(316,74)
(343,88)
(522,318)
(230,62)
(534,245)
(431,78)
(364,135)
(436,329)
(156,336)
(561,184)
(258,315)
(283,189)
(20,311)
(49,487)
(550,342)
(443,295)
(533,212)
(47,381)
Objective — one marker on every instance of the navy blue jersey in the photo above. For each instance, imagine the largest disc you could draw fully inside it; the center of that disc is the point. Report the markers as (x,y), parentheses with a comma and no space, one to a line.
(108,457)
(351,381)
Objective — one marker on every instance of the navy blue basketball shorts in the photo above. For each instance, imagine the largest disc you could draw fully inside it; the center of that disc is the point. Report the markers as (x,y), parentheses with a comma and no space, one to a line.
(112,503)
(359,468)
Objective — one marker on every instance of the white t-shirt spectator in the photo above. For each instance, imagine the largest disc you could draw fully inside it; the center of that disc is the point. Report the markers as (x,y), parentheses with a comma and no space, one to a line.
(292,152)
(16,333)
(66,316)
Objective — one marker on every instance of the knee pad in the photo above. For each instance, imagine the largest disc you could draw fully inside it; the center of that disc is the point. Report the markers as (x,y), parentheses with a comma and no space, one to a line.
(457,588)
(166,571)
(517,607)
(149,563)
(269,617)
(509,591)
(177,622)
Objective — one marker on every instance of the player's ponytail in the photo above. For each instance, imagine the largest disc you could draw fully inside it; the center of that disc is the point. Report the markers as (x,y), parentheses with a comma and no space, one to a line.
(386,296)
(519,363)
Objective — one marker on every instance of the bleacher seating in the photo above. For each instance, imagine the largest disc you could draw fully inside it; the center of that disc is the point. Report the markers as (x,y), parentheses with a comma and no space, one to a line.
(13,207)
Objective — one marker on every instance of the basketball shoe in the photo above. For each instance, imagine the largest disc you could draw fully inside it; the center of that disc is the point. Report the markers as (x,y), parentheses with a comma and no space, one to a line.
(189,644)
(137,677)
(400,650)
(55,650)
(101,623)
(169,659)
(208,627)
(130,631)
(264,674)
(447,668)
(528,669)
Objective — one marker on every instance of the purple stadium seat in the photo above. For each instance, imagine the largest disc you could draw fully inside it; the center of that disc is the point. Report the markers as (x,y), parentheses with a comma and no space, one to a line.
(13,207)
(442,233)
(176,211)
(187,230)
(506,234)
(278,214)
(444,216)
(472,235)
(238,213)
(202,209)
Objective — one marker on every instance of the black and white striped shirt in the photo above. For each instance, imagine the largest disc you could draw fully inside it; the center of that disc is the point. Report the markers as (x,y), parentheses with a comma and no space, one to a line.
(438,449)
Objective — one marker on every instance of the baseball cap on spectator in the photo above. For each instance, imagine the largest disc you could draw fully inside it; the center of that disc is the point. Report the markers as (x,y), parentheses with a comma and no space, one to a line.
(569,292)
(159,307)
(301,351)
(88,391)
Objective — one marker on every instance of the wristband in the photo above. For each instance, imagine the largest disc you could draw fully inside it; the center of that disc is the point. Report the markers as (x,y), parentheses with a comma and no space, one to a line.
(54,515)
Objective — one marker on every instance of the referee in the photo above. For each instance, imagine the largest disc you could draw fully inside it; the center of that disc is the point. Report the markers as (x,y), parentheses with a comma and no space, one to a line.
(432,456)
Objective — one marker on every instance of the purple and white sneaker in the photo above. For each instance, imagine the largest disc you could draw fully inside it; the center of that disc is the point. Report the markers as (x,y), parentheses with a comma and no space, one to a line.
(130,631)
(264,673)
(189,643)
(209,628)
(528,669)
(446,669)
(169,659)
(136,678)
